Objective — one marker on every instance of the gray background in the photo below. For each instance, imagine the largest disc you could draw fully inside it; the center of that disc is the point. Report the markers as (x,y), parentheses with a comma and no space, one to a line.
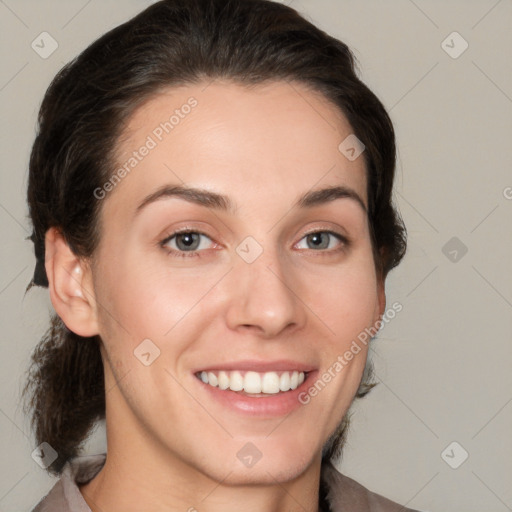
(444,361)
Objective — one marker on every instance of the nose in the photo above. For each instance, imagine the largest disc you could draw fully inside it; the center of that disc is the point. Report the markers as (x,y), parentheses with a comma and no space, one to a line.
(263,298)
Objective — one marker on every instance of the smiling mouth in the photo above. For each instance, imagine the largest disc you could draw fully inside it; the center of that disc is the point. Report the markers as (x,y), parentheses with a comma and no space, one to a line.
(254,383)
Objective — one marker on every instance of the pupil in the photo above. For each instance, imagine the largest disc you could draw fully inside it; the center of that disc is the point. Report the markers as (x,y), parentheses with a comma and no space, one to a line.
(319,240)
(187,240)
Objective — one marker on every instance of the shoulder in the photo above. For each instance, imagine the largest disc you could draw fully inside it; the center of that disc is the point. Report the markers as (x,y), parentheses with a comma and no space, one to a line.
(347,494)
(65,495)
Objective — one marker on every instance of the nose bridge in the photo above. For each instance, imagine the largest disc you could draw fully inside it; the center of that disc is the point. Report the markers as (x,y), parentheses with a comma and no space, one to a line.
(262,293)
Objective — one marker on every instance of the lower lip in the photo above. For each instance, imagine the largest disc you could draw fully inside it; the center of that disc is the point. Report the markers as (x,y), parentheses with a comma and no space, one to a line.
(279,404)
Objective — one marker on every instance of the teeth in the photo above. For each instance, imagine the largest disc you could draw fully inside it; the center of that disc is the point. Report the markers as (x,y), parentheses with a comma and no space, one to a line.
(254,382)
(294,380)
(284,382)
(270,383)
(236,381)
(223,380)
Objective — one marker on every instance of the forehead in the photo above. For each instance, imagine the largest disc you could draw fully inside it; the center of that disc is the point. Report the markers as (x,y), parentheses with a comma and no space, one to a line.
(273,141)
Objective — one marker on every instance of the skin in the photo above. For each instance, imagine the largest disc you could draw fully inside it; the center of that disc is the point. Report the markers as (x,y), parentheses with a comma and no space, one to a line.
(170,447)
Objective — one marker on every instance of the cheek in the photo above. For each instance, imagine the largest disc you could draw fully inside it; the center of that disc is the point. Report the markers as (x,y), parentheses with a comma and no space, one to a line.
(140,300)
(344,298)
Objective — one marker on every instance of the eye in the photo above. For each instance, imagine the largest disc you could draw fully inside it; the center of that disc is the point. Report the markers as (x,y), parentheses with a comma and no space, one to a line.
(187,241)
(191,243)
(321,240)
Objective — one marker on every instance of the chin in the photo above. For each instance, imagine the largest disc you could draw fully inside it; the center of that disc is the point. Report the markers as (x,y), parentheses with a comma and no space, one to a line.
(263,474)
(260,462)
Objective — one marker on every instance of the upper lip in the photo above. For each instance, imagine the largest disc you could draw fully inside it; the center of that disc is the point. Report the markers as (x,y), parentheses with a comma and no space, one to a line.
(258,366)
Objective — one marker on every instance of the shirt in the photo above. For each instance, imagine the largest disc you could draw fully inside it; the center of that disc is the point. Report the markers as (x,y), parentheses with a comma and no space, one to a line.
(343,493)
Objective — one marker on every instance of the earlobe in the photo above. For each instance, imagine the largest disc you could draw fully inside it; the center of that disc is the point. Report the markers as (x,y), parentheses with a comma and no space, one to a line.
(70,285)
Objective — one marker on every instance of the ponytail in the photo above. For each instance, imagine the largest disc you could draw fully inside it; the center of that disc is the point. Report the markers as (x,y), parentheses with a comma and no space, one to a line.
(65,391)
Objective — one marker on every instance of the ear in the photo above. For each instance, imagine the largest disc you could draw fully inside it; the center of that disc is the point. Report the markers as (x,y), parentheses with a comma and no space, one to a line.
(70,285)
(380,306)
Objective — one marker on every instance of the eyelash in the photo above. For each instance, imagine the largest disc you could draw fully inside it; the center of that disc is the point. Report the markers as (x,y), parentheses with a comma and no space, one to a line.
(345,242)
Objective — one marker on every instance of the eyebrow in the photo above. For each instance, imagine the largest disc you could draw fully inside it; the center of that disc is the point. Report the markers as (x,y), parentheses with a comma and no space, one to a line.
(221,202)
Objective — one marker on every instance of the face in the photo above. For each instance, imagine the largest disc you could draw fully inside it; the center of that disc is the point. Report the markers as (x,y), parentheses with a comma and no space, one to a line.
(224,276)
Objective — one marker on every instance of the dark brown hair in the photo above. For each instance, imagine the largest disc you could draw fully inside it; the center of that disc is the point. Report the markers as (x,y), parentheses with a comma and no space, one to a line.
(84,111)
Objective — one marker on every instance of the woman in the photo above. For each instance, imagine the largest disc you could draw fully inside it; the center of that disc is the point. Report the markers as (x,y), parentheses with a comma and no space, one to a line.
(210,191)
